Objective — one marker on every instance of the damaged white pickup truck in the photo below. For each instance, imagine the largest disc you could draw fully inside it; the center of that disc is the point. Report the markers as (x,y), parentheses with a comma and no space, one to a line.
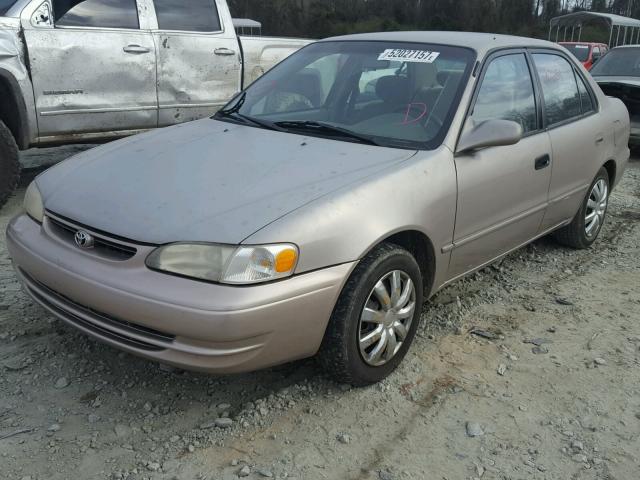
(92,70)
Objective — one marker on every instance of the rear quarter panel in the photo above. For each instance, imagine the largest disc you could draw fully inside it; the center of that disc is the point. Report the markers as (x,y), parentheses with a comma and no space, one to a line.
(616,121)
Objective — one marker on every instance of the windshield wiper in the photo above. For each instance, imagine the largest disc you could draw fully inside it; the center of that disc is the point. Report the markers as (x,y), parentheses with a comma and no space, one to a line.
(234,114)
(326,128)
(236,107)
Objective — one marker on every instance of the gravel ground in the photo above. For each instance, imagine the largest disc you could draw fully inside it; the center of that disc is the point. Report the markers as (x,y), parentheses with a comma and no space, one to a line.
(528,369)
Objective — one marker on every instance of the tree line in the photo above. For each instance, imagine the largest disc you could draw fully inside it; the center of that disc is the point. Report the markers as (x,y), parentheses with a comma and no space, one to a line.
(323,18)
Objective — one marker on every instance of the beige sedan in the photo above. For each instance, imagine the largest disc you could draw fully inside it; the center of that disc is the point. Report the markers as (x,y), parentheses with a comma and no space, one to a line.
(321,206)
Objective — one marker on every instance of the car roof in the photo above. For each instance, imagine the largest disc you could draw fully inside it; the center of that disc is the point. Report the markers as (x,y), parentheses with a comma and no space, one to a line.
(625,46)
(480,42)
(582,43)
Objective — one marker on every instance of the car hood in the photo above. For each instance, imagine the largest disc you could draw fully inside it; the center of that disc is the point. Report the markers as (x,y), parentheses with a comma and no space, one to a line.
(204,181)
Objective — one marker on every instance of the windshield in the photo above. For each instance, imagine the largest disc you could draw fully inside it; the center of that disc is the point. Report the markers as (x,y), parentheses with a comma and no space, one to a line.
(5,5)
(580,51)
(623,62)
(387,93)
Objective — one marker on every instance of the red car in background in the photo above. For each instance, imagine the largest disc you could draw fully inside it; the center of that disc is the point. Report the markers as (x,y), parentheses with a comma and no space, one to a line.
(587,52)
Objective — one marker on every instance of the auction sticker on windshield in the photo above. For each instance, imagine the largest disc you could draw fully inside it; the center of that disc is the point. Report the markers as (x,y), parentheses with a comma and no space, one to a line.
(418,56)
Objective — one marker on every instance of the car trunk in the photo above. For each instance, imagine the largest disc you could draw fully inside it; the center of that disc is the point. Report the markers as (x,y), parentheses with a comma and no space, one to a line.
(628,92)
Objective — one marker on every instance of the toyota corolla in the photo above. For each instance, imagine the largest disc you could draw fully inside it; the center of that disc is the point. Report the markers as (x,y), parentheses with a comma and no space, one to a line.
(316,211)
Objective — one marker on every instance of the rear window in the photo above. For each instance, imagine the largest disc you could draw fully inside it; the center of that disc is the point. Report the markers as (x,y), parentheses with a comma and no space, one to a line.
(5,5)
(192,16)
(581,52)
(623,62)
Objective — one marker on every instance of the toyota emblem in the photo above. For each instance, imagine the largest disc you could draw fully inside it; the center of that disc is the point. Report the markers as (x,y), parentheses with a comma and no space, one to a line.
(83,239)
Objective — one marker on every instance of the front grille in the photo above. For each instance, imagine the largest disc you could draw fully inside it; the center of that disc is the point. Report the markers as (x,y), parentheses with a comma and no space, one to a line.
(102,324)
(103,247)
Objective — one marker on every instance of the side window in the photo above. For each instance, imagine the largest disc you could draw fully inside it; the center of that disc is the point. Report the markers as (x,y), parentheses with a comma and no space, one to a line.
(559,88)
(96,13)
(193,16)
(585,98)
(507,93)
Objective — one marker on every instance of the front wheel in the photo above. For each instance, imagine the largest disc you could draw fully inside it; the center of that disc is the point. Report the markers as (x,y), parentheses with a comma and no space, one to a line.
(586,225)
(375,319)
(9,164)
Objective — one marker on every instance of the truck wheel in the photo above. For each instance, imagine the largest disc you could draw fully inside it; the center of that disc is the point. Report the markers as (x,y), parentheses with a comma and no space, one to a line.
(9,164)
(375,318)
(586,225)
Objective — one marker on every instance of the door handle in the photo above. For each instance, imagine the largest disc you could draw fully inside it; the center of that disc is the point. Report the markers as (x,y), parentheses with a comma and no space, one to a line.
(599,140)
(224,51)
(136,49)
(543,162)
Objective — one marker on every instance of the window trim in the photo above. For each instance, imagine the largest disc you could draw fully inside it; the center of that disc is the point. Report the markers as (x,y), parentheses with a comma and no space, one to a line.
(88,27)
(536,93)
(589,93)
(188,32)
(573,66)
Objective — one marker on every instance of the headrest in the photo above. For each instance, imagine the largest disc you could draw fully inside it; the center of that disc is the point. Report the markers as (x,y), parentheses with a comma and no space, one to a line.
(393,89)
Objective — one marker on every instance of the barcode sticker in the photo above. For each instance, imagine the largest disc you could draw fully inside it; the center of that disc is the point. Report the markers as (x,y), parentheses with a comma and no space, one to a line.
(402,55)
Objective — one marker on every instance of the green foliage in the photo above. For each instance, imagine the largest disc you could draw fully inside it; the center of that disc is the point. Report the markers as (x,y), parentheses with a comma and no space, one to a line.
(323,18)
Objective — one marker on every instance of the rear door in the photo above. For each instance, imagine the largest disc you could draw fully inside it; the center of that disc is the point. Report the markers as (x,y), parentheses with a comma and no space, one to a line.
(502,191)
(93,68)
(199,59)
(577,136)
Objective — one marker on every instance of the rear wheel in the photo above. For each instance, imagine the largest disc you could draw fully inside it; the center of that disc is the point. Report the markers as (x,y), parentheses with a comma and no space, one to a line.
(9,164)
(586,225)
(375,319)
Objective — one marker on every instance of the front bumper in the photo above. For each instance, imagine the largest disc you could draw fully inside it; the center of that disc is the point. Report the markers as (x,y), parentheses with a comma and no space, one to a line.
(185,323)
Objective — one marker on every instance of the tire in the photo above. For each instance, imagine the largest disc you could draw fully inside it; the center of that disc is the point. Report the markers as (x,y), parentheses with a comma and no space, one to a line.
(342,354)
(575,235)
(9,164)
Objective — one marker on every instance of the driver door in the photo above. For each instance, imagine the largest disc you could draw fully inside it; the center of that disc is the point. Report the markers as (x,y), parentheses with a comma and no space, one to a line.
(502,191)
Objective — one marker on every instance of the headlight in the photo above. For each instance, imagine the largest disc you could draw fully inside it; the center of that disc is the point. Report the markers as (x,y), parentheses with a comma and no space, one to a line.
(226,264)
(33,203)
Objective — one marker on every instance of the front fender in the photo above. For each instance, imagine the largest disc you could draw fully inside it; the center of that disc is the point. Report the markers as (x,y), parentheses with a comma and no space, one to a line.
(15,76)
(418,195)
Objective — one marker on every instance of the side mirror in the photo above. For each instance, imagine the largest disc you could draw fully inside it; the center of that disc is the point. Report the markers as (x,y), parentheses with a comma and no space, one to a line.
(490,133)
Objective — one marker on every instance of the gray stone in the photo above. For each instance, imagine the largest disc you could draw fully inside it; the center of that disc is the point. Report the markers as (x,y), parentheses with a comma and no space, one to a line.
(474,429)
(121,430)
(577,446)
(265,473)
(385,475)
(244,471)
(62,382)
(223,422)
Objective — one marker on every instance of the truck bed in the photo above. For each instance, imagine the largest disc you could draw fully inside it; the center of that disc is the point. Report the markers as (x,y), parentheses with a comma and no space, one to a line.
(262,53)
